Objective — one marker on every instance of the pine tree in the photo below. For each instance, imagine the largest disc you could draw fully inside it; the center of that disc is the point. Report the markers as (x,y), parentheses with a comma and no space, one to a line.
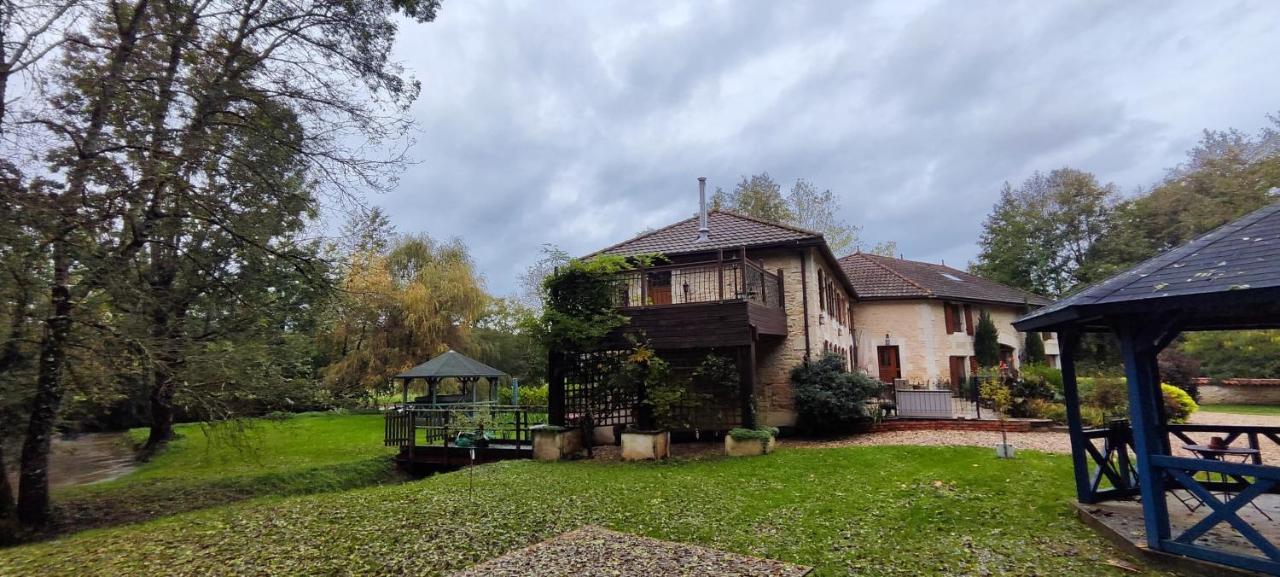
(986,343)
(1035,349)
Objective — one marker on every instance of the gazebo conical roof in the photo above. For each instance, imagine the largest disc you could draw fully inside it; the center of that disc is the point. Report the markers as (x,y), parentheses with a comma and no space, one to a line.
(452,364)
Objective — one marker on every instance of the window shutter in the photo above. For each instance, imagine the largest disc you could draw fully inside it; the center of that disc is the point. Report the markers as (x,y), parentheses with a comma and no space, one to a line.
(950,315)
(968,320)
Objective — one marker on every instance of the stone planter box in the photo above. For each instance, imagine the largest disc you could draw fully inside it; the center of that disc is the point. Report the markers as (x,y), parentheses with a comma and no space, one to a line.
(645,445)
(747,448)
(555,443)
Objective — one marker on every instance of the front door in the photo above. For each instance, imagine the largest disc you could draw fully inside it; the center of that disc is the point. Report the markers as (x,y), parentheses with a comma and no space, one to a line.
(957,374)
(890,368)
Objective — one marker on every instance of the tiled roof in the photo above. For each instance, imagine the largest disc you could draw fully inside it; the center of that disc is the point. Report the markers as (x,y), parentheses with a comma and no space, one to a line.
(882,277)
(1240,257)
(728,230)
(451,364)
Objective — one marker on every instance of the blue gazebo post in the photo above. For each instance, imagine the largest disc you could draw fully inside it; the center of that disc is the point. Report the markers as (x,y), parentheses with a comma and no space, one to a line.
(1138,347)
(1067,343)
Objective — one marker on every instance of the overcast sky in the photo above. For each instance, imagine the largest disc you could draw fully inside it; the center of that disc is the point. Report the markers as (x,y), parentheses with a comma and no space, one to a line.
(581,124)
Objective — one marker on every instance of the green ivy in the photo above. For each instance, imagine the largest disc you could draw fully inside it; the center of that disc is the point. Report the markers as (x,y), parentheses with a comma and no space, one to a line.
(579,307)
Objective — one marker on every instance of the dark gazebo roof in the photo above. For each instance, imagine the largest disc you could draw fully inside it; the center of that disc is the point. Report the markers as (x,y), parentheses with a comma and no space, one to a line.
(452,364)
(1228,278)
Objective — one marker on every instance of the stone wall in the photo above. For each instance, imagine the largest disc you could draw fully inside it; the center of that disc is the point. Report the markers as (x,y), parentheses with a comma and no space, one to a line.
(774,360)
(1239,391)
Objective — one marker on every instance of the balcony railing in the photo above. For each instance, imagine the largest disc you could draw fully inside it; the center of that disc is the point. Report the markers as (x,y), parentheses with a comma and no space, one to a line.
(702,282)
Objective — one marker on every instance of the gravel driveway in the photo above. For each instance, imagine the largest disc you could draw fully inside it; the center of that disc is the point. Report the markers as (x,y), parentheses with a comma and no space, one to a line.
(1270,451)
(1047,441)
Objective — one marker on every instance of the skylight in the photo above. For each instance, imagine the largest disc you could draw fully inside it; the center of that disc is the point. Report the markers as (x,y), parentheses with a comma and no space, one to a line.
(952,277)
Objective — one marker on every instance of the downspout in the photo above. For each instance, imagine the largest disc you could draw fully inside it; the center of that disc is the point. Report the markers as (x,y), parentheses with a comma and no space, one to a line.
(804,299)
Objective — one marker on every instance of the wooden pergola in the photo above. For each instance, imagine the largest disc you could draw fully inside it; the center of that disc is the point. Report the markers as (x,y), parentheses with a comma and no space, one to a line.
(1228,279)
(452,365)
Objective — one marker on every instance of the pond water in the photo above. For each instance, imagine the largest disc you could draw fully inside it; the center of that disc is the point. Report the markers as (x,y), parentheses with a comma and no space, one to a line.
(87,458)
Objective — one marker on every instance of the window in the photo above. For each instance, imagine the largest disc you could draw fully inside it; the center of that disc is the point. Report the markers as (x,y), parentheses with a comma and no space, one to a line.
(822,292)
(951,317)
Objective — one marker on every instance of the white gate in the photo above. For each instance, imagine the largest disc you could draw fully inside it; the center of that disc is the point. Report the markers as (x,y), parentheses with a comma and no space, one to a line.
(923,403)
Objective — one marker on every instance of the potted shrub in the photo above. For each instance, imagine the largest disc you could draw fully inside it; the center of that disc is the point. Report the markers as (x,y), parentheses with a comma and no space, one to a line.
(742,442)
(660,400)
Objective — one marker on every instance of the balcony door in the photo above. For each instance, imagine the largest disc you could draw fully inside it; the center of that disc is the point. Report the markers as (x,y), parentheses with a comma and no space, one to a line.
(660,288)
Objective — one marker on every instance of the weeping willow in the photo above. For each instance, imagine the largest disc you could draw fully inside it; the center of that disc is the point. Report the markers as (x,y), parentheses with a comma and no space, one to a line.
(400,307)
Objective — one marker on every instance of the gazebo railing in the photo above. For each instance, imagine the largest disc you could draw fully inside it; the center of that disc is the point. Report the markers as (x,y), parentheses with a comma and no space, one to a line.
(421,425)
(1113,471)
(1225,488)
(1250,482)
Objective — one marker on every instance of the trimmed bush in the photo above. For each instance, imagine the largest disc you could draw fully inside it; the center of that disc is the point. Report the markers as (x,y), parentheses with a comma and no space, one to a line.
(533,397)
(1043,409)
(828,399)
(1110,394)
(1045,374)
(1178,405)
(1091,416)
(1179,370)
(761,434)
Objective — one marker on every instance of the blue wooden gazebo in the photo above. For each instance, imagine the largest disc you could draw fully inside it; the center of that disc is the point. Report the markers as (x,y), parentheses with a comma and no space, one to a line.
(1227,279)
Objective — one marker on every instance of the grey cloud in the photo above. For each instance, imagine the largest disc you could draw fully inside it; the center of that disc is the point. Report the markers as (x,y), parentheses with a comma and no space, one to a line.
(580,124)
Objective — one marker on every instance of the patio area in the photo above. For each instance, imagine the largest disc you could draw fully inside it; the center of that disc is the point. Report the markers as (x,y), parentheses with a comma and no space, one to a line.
(1124,520)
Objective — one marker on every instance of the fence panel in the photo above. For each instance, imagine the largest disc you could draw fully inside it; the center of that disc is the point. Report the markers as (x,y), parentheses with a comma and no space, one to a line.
(924,403)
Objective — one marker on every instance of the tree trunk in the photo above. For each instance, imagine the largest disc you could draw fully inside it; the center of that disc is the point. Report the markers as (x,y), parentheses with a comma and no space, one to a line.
(33,487)
(6,495)
(169,345)
(161,416)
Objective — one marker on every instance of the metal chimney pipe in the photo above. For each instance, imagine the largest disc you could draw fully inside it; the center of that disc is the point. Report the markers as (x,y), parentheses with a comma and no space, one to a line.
(704,233)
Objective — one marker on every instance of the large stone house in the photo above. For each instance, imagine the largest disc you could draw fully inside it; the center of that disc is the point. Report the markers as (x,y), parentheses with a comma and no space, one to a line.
(915,320)
(768,294)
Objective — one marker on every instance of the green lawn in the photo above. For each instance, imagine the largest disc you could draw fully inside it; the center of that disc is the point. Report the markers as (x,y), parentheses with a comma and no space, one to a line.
(212,465)
(857,510)
(1243,409)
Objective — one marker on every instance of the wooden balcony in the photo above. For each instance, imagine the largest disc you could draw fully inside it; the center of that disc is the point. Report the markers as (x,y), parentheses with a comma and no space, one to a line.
(717,303)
